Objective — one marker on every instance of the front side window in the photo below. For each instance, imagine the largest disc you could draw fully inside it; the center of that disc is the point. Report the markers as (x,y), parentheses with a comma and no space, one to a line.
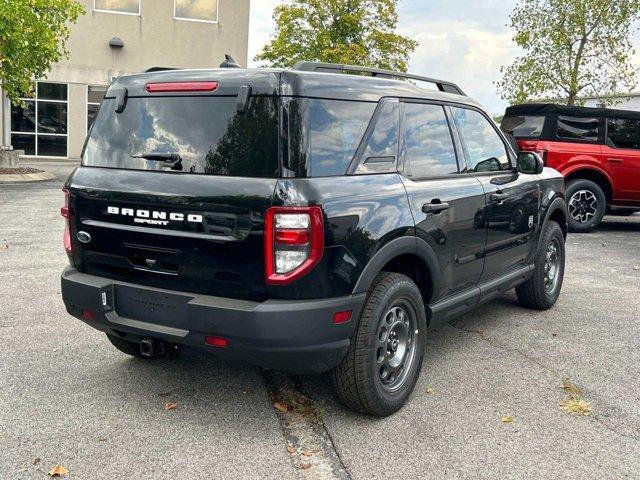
(118,6)
(523,126)
(623,133)
(428,145)
(485,150)
(574,128)
(39,125)
(199,10)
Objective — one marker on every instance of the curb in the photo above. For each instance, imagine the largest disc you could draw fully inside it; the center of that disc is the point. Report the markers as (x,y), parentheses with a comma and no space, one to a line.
(27,177)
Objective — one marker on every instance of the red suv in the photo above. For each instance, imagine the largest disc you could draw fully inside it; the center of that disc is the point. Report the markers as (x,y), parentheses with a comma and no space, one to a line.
(596,149)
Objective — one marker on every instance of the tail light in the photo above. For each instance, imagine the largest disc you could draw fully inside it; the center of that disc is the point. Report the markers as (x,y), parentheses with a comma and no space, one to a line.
(66,214)
(293,242)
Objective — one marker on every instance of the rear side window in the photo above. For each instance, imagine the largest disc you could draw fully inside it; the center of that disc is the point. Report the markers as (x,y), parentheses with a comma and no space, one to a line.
(623,133)
(207,133)
(428,145)
(575,128)
(523,126)
(380,152)
(323,135)
(485,150)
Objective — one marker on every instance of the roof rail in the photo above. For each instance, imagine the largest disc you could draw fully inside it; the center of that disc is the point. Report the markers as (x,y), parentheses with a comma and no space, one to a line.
(443,86)
(159,69)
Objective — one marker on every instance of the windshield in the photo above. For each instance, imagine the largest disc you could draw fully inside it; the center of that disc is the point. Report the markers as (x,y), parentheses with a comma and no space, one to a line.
(200,135)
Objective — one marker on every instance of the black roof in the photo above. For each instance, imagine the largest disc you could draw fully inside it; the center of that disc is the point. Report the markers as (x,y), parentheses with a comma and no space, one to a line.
(289,83)
(547,108)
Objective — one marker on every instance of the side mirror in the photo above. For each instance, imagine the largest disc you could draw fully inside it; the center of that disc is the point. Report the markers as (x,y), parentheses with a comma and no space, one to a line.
(530,163)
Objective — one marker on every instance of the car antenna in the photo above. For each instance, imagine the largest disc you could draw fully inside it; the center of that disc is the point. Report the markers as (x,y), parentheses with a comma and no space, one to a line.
(229,62)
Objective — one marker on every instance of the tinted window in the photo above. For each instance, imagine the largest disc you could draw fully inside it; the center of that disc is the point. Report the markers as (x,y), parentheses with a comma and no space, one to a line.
(523,126)
(486,152)
(207,132)
(323,135)
(428,145)
(624,133)
(380,153)
(574,128)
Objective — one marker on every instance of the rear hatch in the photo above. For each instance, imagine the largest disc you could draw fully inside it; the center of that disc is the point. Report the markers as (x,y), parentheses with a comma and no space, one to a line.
(177,174)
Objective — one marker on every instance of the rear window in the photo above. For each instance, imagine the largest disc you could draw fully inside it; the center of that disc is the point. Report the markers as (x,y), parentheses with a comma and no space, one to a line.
(324,135)
(575,128)
(206,132)
(523,126)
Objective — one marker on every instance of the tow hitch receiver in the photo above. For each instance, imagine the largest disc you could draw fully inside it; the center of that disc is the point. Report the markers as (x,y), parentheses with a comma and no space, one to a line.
(147,348)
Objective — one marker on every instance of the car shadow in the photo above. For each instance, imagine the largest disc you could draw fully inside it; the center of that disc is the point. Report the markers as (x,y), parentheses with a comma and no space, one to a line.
(622,224)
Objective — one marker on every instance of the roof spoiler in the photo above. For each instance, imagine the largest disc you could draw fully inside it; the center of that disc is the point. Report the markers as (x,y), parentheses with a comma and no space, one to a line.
(442,85)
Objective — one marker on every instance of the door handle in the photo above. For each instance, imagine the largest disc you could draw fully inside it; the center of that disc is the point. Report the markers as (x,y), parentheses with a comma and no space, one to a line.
(434,207)
(498,197)
(617,161)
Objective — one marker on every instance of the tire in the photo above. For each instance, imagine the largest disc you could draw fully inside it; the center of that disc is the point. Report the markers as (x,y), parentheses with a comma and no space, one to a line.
(587,205)
(539,292)
(392,328)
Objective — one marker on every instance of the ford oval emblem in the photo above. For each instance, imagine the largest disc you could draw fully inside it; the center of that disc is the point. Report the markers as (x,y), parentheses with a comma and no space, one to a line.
(83,237)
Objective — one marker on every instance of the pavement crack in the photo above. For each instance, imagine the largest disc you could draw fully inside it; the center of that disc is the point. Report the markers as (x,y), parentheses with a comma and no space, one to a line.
(495,343)
(312,448)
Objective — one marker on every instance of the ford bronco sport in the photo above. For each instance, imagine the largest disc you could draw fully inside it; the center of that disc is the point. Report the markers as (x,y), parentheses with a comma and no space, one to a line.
(596,149)
(306,220)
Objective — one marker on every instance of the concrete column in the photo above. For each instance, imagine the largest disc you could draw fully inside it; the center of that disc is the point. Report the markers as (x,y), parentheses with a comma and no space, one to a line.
(77,118)
(5,120)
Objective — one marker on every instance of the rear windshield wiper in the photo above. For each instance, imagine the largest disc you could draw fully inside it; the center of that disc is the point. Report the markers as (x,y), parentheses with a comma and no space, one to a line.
(172,160)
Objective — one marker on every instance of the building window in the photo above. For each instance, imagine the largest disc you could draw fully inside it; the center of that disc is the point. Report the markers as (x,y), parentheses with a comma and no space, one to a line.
(95,94)
(196,10)
(39,127)
(129,7)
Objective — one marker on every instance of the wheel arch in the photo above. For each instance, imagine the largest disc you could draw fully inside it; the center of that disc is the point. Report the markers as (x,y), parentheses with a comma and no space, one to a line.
(410,256)
(558,212)
(596,175)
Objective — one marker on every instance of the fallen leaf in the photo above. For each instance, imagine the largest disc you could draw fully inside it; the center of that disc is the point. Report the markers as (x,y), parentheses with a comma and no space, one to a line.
(5,245)
(36,460)
(604,244)
(283,407)
(102,439)
(58,471)
(576,406)
(170,406)
(574,391)
(291,449)
(305,466)
(429,391)
(307,453)
(506,419)
(637,267)
(554,334)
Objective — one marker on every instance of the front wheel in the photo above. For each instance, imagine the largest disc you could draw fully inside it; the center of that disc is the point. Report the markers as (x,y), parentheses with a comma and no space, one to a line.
(542,290)
(385,357)
(587,204)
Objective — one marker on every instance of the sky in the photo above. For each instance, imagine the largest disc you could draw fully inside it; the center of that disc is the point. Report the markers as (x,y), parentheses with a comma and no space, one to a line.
(463,41)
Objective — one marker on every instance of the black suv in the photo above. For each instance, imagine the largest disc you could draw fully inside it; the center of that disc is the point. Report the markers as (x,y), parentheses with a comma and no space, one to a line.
(305,220)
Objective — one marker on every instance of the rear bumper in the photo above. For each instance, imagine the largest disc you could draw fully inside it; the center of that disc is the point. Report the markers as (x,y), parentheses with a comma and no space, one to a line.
(292,336)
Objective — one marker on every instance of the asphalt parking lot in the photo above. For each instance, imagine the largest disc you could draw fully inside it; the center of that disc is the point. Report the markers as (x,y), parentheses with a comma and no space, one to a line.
(68,397)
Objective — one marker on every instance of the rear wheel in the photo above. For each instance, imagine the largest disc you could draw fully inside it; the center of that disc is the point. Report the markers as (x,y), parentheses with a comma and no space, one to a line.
(587,205)
(385,357)
(543,289)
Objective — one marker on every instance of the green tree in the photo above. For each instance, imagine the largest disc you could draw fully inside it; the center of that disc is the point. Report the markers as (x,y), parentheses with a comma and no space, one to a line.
(572,48)
(32,37)
(360,32)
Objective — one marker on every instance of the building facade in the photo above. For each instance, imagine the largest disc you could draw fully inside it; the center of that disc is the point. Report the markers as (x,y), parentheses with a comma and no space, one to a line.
(114,38)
